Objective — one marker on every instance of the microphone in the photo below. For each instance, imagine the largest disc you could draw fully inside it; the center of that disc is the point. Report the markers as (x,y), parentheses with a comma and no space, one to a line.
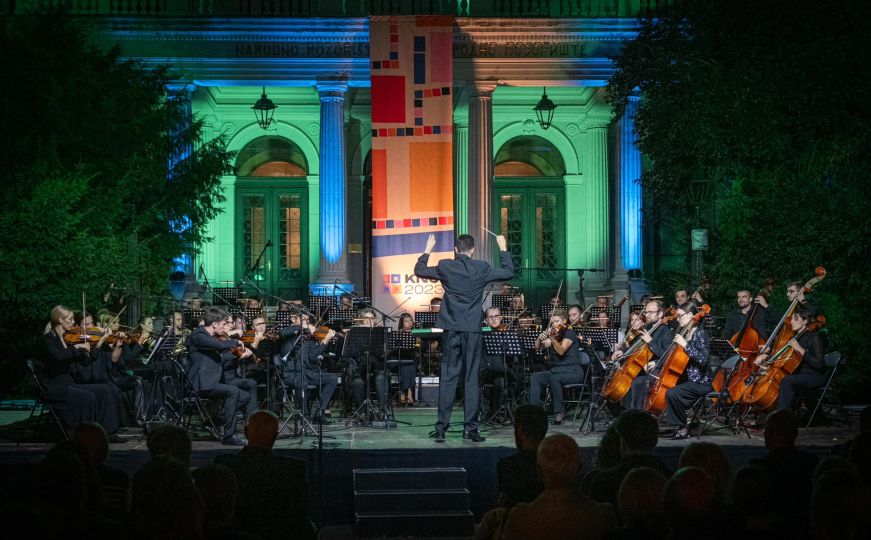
(200,273)
(269,243)
(320,358)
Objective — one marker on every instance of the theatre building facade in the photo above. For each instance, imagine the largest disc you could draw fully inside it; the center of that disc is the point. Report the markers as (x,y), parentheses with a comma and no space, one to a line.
(396,120)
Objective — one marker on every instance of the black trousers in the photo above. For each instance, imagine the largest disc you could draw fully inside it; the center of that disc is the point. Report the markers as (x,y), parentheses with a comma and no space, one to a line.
(681,397)
(461,357)
(97,402)
(131,386)
(493,372)
(793,385)
(555,378)
(381,380)
(638,392)
(234,399)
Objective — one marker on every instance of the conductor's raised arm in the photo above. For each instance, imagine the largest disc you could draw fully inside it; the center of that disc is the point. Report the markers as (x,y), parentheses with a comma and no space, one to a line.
(420,267)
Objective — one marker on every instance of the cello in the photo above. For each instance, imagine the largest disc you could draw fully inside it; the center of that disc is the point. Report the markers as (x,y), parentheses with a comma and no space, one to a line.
(763,392)
(748,344)
(783,331)
(636,358)
(674,364)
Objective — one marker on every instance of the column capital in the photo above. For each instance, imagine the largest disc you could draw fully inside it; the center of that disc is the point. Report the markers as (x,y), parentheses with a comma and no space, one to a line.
(481,89)
(180,89)
(332,90)
(595,124)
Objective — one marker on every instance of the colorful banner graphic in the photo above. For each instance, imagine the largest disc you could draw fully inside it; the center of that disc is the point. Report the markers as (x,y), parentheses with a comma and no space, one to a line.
(412,154)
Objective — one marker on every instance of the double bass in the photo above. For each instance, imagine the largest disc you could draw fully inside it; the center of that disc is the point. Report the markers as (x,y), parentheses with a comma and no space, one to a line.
(674,364)
(636,358)
(783,331)
(748,344)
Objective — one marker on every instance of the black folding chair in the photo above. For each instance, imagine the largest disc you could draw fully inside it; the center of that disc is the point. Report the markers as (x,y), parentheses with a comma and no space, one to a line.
(43,403)
(833,361)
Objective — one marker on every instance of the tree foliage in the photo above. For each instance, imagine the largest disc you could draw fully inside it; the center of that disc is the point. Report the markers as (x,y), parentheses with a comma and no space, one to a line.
(86,196)
(768,101)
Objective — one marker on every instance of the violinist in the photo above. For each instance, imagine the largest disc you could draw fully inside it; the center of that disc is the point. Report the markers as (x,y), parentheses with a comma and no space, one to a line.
(346,301)
(111,356)
(576,315)
(234,368)
(658,341)
(493,370)
(697,346)
(208,346)
(566,363)
(367,318)
(735,319)
(97,402)
(303,357)
(811,372)
(407,367)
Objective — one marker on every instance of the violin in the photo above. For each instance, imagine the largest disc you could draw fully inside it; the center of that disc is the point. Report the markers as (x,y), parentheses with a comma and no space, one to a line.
(555,330)
(237,351)
(91,335)
(321,332)
(248,336)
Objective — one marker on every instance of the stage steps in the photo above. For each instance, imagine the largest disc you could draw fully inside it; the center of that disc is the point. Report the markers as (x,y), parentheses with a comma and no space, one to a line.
(424,502)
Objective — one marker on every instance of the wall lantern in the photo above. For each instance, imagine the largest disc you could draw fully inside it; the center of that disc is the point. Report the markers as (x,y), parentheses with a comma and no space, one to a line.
(263,110)
(544,110)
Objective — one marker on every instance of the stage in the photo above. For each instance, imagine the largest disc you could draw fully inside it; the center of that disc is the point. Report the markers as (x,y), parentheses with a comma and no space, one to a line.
(349,447)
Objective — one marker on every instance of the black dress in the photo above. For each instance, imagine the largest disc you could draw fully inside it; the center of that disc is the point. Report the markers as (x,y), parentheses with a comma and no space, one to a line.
(77,403)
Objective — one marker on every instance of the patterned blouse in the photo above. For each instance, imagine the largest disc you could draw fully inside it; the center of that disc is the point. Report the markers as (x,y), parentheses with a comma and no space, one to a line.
(698,349)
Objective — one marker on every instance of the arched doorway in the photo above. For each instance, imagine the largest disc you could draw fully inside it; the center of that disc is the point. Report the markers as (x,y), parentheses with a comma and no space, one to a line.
(529,206)
(271,205)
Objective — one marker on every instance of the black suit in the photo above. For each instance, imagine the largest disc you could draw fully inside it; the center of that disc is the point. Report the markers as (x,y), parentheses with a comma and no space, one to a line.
(464,281)
(663,337)
(207,357)
(273,499)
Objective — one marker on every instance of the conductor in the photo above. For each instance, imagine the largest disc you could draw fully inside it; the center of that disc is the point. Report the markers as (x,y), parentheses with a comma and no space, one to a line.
(464,280)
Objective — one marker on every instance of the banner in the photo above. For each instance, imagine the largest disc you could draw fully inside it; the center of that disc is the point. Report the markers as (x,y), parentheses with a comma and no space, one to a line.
(412,154)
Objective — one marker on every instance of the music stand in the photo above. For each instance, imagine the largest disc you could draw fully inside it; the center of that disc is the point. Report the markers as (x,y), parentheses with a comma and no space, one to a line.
(321,304)
(636,307)
(604,339)
(724,402)
(613,314)
(425,319)
(365,342)
(251,313)
(502,344)
(501,300)
(528,356)
(297,413)
(227,295)
(189,316)
(545,310)
(342,318)
(402,344)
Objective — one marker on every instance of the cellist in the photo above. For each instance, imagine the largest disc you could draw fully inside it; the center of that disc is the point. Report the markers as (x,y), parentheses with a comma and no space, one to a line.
(697,346)
(735,319)
(810,373)
(658,343)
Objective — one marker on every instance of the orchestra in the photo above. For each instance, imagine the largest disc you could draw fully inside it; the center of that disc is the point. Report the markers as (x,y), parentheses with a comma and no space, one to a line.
(98,366)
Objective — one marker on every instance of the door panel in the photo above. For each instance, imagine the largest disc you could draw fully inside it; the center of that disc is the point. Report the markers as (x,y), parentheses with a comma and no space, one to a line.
(274,214)
(530,218)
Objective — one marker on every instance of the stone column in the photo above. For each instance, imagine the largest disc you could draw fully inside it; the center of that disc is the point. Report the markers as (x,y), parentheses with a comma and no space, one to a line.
(628,193)
(333,195)
(461,178)
(184,262)
(598,220)
(481,167)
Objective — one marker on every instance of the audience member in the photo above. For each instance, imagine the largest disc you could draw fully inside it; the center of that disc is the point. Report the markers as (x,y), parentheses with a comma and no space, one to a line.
(170,441)
(833,463)
(688,501)
(163,501)
(639,505)
(710,458)
(559,512)
(217,488)
(789,468)
(273,499)
(66,481)
(607,456)
(839,506)
(750,497)
(860,456)
(519,480)
(638,434)
(113,483)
